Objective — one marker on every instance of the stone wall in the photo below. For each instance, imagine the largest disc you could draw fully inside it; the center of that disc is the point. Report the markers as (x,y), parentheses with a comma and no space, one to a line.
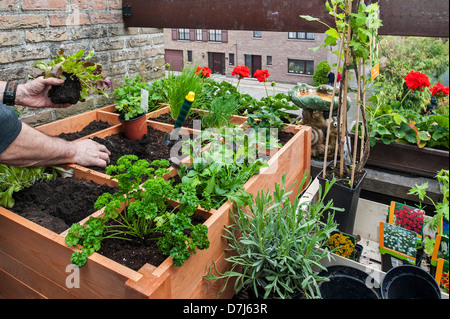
(35,30)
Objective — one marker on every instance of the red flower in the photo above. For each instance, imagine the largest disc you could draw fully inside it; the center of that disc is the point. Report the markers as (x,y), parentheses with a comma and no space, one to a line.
(416,80)
(439,90)
(242,71)
(261,75)
(204,72)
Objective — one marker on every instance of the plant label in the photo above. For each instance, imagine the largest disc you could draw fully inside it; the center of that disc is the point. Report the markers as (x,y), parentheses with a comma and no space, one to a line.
(144,100)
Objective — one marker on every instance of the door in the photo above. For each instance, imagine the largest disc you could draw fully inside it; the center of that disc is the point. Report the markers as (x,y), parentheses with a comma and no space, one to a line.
(175,59)
(253,62)
(217,62)
(256,63)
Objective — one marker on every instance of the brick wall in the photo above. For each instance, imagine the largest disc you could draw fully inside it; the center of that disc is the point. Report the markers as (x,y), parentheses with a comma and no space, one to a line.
(34,30)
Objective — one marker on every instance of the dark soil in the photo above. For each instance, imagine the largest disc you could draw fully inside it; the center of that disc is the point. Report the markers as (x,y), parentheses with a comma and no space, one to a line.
(188,122)
(135,253)
(149,148)
(58,203)
(68,92)
(345,180)
(92,127)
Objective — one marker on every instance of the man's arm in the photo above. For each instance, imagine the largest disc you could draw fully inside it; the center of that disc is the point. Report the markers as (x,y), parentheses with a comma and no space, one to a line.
(34,148)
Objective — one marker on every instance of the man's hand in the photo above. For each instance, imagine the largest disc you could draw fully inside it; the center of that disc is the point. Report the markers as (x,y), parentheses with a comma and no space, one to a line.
(35,93)
(90,153)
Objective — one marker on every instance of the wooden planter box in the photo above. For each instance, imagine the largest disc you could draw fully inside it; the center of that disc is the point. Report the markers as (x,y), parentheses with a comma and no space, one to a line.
(34,260)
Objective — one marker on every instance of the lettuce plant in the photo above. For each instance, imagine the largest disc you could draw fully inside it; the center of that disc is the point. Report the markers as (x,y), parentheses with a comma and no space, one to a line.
(88,73)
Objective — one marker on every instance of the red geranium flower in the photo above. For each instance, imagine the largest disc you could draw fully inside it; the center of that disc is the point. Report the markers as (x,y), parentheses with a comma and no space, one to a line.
(439,91)
(417,80)
(261,75)
(204,71)
(242,71)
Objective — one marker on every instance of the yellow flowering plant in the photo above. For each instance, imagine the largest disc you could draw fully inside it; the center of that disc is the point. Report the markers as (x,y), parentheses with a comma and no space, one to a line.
(342,245)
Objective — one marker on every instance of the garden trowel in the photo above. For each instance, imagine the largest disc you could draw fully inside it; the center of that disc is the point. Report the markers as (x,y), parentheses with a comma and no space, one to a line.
(172,137)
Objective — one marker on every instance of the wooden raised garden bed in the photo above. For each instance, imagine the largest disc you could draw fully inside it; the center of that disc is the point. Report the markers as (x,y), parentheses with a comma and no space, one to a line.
(35,261)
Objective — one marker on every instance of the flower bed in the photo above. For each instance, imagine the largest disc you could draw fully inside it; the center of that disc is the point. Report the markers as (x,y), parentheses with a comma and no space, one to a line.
(36,261)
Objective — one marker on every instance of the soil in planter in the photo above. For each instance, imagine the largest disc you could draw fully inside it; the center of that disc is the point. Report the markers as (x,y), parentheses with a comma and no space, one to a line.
(345,180)
(58,203)
(149,147)
(136,253)
(92,127)
(69,92)
(166,118)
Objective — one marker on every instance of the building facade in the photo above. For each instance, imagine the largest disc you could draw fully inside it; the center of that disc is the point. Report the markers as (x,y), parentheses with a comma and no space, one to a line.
(288,56)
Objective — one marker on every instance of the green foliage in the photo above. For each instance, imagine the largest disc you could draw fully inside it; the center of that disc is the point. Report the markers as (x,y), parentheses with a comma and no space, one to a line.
(275,105)
(14,179)
(403,54)
(219,173)
(393,123)
(87,72)
(128,97)
(220,112)
(178,86)
(146,213)
(320,75)
(277,245)
(441,207)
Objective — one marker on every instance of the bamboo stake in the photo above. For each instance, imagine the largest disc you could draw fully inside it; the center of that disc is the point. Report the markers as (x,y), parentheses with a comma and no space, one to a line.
(330,115)
(355,142)
(344,101)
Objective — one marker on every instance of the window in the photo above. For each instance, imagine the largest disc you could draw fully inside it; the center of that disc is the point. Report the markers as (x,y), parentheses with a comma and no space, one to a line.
(300,66)
(301,35)
(189,53)
(269,60)
(183,34)
(199,34)
(257,34)
(231,59)
(215,35)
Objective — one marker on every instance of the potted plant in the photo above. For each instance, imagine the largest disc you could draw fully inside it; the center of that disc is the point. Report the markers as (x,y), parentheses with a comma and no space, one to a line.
(277,245)
(128,103)
(442,275)
(79,74)
(400,243)
(439,245)
(405,216)
(354,33)
(344,245)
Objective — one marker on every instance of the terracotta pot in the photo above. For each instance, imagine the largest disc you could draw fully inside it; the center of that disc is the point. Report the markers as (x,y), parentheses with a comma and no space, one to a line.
(135,128)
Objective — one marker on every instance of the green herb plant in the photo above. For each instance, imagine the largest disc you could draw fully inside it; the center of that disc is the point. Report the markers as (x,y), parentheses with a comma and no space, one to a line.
(128,97)
(220,112)
(87,72)
(277,244)
(142,211)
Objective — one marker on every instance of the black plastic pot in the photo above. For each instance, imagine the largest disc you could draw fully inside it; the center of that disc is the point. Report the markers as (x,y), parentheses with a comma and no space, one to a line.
(409,282)
(348,283)
(343,197)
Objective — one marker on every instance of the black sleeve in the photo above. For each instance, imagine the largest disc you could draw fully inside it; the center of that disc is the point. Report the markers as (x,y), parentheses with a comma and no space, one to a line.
(10,126)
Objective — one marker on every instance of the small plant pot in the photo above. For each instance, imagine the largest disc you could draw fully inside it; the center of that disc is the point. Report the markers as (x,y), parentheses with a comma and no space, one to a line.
(348,283)
(346,198)
(409,282)
(134,129)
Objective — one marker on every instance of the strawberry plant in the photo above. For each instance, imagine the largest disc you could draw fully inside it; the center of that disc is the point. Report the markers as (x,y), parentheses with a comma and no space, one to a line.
(146,213)
(85,76)
(220,173)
